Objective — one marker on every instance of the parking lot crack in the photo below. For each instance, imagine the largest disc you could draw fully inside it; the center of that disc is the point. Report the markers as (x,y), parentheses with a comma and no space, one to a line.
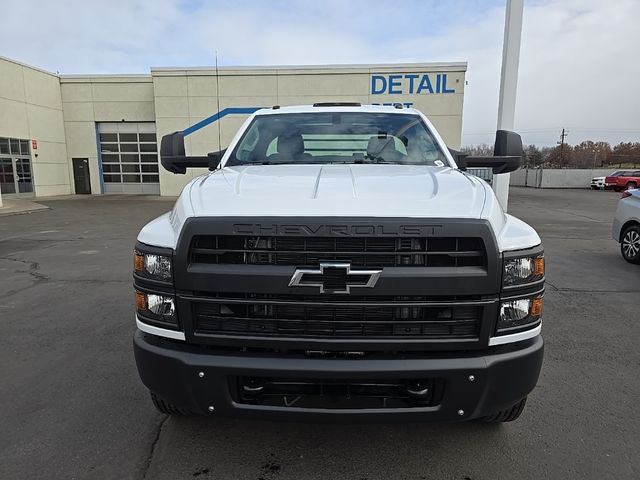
(152,450)
(34,268)
(552,285)
(588,290)
(89,280)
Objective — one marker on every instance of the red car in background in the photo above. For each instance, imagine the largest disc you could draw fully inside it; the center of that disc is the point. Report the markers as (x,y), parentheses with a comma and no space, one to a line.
(622,180)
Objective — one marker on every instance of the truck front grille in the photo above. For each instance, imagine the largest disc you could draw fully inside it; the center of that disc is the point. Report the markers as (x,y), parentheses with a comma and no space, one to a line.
(265,316)
(359,251)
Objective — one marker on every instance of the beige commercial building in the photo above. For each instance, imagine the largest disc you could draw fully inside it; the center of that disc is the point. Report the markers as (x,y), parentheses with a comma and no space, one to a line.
(99,134)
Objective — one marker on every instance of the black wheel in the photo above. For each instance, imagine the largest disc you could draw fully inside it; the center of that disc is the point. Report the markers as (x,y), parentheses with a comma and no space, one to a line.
(507,415)
(632,185)
(630,244)
(167,408)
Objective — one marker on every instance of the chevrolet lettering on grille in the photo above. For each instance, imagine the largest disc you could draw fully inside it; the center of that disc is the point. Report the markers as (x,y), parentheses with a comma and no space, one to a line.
(333,277)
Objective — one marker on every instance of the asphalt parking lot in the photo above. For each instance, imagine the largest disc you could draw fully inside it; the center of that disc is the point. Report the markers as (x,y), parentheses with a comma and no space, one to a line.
(72,405)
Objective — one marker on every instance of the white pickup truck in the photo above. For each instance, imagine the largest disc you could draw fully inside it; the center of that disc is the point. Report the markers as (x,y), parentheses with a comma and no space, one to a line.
(337,261)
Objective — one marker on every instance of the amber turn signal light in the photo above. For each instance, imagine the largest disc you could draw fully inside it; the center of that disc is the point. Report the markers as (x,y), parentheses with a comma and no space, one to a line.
(138,262)
(141,301)
(538,266)
(536,307)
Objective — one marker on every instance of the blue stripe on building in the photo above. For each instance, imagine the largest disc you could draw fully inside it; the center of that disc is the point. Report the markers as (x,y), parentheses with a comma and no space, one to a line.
(217,116)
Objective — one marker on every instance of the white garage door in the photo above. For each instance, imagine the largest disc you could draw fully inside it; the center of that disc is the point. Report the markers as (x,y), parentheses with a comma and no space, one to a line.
(129,157)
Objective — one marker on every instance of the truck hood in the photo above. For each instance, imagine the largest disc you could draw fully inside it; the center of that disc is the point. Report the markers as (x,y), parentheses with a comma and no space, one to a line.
(396,191)
(338,190)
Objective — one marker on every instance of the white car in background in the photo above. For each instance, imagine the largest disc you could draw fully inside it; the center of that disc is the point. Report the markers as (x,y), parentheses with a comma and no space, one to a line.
(626,225)
(597,183)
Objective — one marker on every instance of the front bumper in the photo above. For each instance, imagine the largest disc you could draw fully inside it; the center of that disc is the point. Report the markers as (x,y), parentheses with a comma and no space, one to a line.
(616,228)
(197,379)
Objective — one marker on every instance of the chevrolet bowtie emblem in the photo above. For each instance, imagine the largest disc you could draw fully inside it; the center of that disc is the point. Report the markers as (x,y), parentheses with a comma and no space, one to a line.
(334,277)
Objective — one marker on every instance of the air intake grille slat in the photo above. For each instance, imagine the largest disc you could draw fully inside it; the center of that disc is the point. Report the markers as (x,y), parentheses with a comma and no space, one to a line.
(359,251)
(317,319)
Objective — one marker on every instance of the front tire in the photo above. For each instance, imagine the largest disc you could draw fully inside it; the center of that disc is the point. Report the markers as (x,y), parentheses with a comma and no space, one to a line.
(630,244)
(508,414)
(166,407)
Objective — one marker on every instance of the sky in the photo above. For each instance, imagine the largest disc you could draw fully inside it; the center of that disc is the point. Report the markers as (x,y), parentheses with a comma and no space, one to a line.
(578,62)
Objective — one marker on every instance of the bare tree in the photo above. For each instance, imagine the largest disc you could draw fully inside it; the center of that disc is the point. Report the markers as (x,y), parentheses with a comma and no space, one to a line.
(482,150)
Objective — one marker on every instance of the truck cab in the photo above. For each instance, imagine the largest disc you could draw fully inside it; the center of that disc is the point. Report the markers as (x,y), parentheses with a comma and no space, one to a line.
(337,261)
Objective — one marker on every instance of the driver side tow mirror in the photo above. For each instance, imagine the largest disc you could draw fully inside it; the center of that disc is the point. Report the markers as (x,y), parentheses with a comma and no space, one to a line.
(173,158)
(507,155)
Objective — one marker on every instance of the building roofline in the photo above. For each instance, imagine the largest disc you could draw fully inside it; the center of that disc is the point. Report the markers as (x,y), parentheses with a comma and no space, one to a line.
(312,66)
(340,68)
(255,69)
(26,65)
(106,78)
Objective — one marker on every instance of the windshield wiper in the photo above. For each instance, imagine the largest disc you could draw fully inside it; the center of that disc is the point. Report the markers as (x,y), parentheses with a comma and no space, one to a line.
(265,162)
(372,159)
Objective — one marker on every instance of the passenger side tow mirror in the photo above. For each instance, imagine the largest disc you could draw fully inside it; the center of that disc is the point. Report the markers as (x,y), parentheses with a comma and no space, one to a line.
(173,158)
(507,155)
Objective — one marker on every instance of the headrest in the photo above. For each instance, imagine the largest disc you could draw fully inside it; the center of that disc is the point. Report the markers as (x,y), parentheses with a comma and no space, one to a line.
(290,144)
(378,146)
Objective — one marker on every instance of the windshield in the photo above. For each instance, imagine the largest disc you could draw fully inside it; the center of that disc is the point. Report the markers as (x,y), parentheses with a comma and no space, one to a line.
(337,137)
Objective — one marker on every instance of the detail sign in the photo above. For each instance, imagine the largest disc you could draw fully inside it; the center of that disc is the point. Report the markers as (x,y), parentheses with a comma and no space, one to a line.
(34,144)
(410,84)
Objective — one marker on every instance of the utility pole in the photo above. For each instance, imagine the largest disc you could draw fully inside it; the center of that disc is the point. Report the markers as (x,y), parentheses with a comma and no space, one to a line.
(561,143)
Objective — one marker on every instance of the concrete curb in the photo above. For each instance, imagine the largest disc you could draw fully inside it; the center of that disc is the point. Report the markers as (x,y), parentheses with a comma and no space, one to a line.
(20,207)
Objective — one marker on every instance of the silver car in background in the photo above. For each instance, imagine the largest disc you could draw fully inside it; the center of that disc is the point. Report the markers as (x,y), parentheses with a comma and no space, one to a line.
(626,225)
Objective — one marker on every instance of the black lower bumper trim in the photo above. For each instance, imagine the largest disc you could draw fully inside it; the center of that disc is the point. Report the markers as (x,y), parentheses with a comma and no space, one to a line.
(473,386)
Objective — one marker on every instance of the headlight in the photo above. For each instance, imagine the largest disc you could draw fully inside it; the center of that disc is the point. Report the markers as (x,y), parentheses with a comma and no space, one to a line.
(152,265)
(521,271)
(519,314)
(156,309)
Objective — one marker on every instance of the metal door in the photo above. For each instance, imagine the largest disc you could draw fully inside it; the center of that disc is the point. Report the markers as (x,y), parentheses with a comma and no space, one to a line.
(128,155)
(81,176)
